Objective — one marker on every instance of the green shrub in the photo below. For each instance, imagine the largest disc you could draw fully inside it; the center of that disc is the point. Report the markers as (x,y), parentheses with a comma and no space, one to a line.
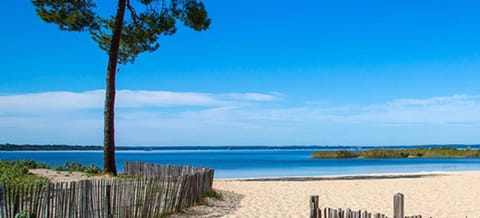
(214,194)
(92,169)
(25,214)
(383,153)
(334,154)
(346,154)
(16,172)
(77,167)
(472,153)
(404,154)
(324,154)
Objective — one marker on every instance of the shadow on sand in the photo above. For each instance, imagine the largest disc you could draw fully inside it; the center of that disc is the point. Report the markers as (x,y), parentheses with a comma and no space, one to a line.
(213,208)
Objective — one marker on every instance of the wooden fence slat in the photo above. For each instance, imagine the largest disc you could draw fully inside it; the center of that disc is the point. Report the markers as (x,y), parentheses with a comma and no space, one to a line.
(314,211)
(108,196)
(398,206)
(21,198)
(7,201)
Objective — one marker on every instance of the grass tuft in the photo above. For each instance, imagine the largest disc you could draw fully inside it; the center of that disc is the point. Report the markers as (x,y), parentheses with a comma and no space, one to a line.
(77,167)
(214,195)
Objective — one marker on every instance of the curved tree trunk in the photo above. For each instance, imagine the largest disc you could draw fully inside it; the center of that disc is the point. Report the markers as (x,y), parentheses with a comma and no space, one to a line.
(109,113)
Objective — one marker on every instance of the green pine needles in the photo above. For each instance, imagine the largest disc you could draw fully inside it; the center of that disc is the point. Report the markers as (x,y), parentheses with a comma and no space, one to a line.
(141,28)
(69,15)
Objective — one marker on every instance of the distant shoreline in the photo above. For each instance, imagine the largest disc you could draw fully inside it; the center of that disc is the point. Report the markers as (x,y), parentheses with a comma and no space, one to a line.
(30,147)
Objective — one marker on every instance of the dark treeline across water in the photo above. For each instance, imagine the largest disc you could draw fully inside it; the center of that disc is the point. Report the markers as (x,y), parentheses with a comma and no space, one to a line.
(30,147)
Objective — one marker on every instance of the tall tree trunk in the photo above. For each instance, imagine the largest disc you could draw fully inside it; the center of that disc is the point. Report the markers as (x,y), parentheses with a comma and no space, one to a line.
(109,113)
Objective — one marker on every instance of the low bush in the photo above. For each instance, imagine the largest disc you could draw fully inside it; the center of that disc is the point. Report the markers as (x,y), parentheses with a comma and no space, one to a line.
(77,167)
(346,154)
(214,194)
(16,172)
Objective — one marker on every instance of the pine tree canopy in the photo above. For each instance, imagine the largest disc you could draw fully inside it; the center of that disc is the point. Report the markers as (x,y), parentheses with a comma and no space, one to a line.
(143,25)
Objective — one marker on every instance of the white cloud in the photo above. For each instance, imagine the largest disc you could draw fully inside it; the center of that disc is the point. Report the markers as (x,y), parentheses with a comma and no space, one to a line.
(162,117)
(428,102)
(50,101)
(65,101)
(137,99)
(436,110)
(254,96)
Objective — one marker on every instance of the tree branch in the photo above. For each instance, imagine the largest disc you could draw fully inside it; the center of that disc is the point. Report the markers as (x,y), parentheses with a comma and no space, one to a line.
(133,13)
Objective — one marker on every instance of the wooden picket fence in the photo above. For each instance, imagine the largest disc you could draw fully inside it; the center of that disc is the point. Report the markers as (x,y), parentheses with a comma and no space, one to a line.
(154,170)
(316,211)
(201,177)
(152,196)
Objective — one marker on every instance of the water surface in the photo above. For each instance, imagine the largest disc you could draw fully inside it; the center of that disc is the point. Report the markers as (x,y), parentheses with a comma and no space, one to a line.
(255,163)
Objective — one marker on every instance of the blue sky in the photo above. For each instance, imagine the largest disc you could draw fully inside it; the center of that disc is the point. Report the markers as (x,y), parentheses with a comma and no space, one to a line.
(265,73)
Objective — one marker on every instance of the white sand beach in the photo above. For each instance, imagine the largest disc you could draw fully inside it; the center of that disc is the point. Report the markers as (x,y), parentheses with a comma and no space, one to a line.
(433,194)
(438,194)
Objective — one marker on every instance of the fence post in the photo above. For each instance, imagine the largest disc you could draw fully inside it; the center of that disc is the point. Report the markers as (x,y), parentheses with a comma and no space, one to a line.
(109,207)
(47,199)
(314,210)
(398,206)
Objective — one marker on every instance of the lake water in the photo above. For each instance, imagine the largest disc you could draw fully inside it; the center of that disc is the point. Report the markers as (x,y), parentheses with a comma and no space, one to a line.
(254,163)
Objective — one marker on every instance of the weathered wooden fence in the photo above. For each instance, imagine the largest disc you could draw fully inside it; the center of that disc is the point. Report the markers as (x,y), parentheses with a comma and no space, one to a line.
(154,170)
(200,182)
(135,197)
(316,211)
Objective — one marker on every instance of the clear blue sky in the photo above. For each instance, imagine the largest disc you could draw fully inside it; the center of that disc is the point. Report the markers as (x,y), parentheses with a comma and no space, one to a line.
(265,73)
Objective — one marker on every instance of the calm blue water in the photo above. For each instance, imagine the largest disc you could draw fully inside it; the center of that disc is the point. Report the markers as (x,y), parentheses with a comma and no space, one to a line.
(254,163)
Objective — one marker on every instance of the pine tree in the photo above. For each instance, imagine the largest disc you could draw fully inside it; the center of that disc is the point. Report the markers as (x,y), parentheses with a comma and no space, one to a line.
(123,36)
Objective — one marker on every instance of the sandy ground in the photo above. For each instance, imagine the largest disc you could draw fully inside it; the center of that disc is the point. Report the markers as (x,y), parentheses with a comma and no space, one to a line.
(211,208)
(60,176)
(439,194)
